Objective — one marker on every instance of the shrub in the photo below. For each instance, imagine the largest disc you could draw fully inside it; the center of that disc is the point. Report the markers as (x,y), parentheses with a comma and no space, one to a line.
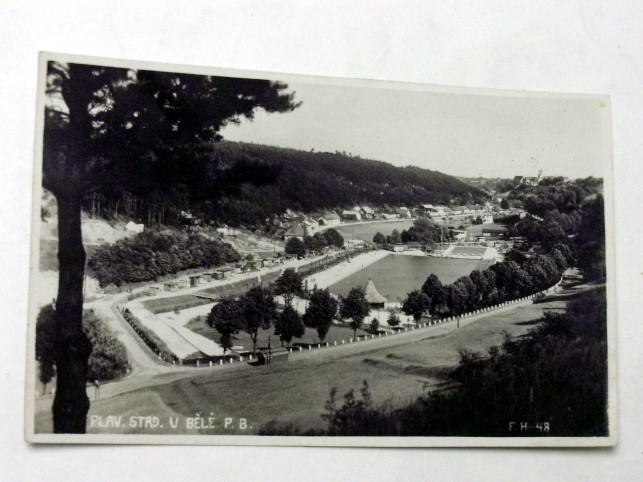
(152,254)
(149,337)
(108,359)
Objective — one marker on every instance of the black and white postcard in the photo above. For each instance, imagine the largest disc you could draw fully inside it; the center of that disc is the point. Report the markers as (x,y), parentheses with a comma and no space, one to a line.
(234,257)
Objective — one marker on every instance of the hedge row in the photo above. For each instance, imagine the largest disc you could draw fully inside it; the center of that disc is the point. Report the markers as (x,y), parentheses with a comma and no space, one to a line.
(150,338)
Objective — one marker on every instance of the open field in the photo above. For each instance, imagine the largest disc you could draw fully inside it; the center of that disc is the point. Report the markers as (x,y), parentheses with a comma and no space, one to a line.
(242,339)
(296,391)
(365,231)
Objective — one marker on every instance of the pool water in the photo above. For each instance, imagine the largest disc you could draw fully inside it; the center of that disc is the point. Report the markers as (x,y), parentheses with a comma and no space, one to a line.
(397,274)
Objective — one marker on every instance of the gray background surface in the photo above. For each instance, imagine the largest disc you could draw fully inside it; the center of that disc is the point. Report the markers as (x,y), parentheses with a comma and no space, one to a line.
(579,46)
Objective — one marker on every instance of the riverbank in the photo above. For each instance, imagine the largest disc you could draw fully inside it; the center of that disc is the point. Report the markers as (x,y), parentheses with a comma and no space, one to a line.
(338,272)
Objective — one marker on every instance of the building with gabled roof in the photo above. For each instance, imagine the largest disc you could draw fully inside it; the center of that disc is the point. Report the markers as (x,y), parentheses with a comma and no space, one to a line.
(352,215)
(295,231)
(374,299)
(330,219)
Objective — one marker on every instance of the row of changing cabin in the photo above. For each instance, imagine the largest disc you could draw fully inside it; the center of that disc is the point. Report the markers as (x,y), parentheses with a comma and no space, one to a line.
(219,274)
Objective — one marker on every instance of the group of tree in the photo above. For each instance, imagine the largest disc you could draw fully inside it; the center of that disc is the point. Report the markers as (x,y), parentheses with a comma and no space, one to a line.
(355,308)
(243,184)
(422,231)
(558,373)
(500,282)
(315,243)
(555,194)
(581,230)
(321,311)
(115,130)
(257,310)
(108,358)
(152,254)
(254,310)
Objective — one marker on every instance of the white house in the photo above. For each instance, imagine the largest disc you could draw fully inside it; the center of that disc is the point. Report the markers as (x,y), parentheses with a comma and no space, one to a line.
(487,218)
(226,231)
(311,225)
(132,227)
(330,219)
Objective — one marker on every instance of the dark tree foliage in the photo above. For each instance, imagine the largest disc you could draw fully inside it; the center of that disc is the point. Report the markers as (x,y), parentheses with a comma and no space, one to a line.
(106,129)
(394,238)
(295,246)
(108,359)
(355,307)
(321,241)
(288,325)
(244,184)
(379,238)
(416,304)
(555,378)
(591,239)
(393,320)
(423,231)
(152,254)
(374,325)
(227,317)
(260,311)
(289,284)
(431,286)
(321,310)
(334,238)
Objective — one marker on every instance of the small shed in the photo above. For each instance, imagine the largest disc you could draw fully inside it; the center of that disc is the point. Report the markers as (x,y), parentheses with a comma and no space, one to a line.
(274,355)
(171,286)
(195,280)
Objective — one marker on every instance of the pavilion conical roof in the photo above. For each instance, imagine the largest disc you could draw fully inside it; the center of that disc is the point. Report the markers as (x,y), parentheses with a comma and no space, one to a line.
(372,295)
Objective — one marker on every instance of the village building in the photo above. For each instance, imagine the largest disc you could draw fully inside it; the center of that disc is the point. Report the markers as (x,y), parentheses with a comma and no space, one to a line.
(226,231)
(374,299)
(311,226)
(132,227)
(295,231)
(331,219)
(486,232)
(171,286)
(351,215)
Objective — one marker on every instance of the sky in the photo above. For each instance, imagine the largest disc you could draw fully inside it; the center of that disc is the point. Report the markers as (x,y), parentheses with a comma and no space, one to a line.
(461,134)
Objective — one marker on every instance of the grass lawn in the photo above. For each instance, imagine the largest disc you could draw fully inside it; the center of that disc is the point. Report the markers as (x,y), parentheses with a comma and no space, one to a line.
(165,305)
(336,333)
(296,391)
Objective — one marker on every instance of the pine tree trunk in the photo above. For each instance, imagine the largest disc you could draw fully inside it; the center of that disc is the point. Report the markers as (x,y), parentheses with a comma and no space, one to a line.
(72,346)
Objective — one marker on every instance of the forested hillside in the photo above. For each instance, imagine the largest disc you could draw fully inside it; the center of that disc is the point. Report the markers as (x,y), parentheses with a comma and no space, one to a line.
(238,183)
